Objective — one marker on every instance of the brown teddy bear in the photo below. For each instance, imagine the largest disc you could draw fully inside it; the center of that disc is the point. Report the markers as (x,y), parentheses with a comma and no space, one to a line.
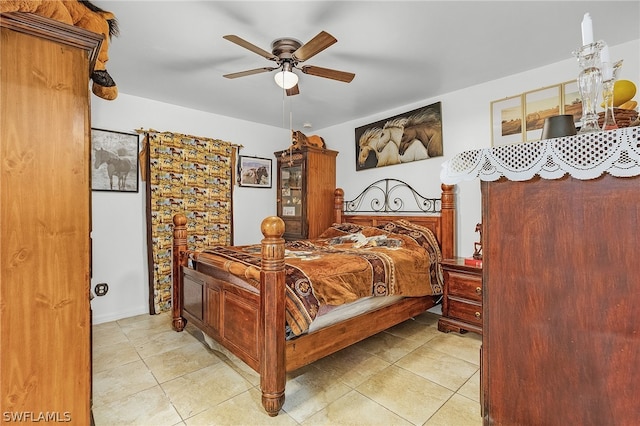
(81,14)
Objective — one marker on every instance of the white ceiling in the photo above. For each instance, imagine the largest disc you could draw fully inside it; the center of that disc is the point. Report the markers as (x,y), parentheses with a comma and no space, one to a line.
(401,51)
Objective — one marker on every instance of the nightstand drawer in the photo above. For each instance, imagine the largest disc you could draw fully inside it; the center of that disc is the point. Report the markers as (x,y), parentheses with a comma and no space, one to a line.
(465,285)
(464,311)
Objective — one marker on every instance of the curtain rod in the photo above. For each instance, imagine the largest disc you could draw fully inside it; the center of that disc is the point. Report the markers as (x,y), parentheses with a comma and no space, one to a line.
(141,130)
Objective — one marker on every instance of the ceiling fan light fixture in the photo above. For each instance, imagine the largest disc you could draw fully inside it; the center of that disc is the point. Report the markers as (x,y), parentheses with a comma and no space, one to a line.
(286,79)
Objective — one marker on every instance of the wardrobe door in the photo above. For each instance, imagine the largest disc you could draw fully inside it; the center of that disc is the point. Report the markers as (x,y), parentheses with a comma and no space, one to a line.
(45,359)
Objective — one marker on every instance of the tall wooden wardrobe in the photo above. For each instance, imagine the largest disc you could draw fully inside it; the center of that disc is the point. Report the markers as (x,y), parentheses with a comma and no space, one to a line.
(45,219)
(306,182)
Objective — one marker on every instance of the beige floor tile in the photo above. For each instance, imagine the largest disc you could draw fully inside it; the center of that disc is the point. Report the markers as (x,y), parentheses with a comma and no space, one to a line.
(142,328)
(463,346)
(408,395)
(355,409)
(387,346)
(105,326)
(144,320)
(310,392)
(162,342)
(212,386)
(148,407)
(438,367)
(414,330)
(120,382)
(195,392)
(471,389)
(458,411)
(227,357)
(352,366)
(179,361)
(428,318)
(107,335)
(243,409)
(107,357)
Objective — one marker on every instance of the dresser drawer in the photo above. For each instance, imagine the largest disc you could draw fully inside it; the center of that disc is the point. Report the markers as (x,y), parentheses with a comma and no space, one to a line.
(467,312)
(465,285)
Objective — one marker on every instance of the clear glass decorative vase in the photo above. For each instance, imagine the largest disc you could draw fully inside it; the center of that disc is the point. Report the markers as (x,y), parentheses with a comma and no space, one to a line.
(589,84)
(609,76)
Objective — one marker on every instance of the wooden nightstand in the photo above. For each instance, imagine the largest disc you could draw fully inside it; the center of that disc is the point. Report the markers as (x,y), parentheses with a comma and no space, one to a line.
(462,301)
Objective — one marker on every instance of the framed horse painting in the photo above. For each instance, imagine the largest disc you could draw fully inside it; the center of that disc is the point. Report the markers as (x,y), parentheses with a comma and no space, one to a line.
(114,161)
(414,135)
(254,172)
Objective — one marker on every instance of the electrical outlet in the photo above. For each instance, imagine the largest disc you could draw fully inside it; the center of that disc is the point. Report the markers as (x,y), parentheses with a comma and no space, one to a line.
(101,289)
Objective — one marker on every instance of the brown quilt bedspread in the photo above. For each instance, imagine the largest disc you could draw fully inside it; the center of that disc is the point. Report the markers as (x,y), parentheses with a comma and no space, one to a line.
(349,262)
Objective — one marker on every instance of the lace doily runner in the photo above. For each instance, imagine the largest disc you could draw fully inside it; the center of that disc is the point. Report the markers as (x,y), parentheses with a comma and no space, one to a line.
(584,156)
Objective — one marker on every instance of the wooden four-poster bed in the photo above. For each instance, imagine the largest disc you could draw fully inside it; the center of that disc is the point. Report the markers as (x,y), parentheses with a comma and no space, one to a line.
(244,299)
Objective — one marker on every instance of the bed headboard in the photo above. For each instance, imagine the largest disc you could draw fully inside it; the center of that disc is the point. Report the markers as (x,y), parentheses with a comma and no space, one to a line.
(392,199)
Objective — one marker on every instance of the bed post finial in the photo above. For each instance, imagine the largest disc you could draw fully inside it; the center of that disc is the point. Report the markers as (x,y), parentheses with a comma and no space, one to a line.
(179,259)
(338,204)
(448,221)
(272,316)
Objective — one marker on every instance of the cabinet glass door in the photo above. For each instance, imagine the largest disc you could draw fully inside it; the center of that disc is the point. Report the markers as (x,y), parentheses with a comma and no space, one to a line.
(291,192)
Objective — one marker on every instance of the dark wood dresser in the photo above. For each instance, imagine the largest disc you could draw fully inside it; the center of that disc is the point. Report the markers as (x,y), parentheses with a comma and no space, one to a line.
(561,296)
(462,299)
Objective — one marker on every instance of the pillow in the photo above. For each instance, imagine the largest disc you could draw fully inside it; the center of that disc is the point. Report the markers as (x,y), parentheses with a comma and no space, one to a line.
(340,229)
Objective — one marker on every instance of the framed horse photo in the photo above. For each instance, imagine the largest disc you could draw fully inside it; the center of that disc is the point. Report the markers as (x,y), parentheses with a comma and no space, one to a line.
(114,161)
(254,172)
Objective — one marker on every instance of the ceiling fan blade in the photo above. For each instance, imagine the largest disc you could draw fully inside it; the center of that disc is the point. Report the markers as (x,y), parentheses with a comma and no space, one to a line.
(252,47)
(328,73)
(314,46)
(249,72)
(293,91)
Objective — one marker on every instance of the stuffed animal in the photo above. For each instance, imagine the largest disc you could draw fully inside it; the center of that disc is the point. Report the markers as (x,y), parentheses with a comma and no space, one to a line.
(299,139)
(81,14)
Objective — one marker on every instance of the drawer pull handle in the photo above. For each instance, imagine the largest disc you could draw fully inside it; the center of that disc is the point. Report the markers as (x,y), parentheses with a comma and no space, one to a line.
(478,290)
(478,315)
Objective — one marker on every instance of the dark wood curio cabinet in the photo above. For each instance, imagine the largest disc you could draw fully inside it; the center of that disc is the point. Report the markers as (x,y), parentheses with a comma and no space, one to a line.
(306,183)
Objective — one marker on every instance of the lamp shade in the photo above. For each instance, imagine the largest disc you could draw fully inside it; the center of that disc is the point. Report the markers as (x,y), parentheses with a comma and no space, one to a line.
(558,126)
(286,79)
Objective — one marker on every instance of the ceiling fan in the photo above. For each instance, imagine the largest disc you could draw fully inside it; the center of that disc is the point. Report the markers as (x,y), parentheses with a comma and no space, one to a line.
(287,53)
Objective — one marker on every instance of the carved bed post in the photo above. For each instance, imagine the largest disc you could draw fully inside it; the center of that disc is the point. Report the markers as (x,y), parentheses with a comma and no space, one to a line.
(178,259)
(338,204)
(272,316)
(448,221)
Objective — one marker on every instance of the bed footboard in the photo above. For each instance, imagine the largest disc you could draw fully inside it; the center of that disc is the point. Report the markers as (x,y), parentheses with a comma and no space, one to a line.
(263,332)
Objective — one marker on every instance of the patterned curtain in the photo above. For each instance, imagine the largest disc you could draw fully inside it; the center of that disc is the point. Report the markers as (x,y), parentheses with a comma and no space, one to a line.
(190,175)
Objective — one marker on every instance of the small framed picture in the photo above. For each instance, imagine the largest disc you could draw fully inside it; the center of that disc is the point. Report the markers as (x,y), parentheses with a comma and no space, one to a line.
(254,172)
(538,105)
(289,211)
(506,121)
(114,159)
(572,101)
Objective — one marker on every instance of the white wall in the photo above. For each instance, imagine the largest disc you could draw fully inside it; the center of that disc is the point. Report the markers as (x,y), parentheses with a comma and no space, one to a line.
(466,117)
(119,228)
(119,224)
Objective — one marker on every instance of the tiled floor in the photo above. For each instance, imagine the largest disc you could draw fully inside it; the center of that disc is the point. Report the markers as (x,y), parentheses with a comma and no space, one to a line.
(144,373)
